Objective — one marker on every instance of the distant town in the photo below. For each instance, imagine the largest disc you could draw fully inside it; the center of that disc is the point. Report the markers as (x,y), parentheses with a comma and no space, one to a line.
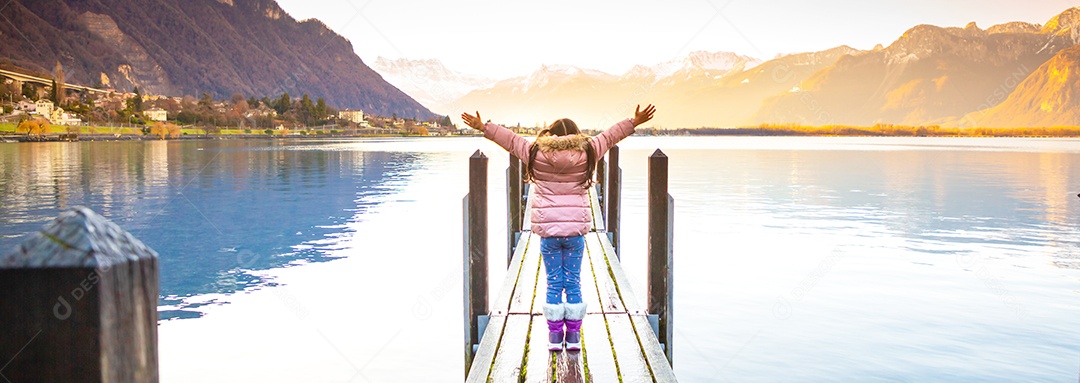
(43,108)
(37,107)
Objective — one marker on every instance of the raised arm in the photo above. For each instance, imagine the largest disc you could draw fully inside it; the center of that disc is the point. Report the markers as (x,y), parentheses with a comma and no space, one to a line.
(608,138)
(513,143)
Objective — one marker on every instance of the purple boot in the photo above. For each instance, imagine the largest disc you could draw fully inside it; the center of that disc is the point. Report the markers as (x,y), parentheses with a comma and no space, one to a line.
(575,313)
(554,313)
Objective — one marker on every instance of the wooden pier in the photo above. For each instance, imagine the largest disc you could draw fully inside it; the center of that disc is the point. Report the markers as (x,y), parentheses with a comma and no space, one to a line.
(506,341)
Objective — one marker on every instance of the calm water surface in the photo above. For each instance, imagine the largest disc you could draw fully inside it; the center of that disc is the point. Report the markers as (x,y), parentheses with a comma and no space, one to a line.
(797,259)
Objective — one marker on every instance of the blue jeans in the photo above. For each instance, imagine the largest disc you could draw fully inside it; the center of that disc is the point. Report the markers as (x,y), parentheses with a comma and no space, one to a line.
(562,262)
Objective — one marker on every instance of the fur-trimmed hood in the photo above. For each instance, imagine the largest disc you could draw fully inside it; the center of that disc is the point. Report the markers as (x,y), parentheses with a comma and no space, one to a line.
(551,143)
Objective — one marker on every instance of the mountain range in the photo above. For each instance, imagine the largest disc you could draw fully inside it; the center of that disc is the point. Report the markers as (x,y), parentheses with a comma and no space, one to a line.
(1007,75)
(429,81)
(1015,74)
(930,75)
(595,99)
(188,47)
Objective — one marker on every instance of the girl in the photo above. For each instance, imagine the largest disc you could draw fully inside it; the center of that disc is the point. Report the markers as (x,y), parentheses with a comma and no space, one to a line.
(560,164)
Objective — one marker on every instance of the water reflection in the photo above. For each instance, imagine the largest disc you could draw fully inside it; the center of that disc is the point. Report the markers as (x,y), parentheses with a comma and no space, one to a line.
(869,260)
(845,259)
(217,212)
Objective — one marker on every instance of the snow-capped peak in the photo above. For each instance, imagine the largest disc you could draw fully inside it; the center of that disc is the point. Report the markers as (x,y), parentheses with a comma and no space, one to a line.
(718,62)
(429,81)
(639,72)
(548,74)
(569,70)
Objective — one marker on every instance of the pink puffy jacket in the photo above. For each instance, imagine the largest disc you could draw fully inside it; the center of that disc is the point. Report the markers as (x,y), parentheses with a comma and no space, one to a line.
(561,204)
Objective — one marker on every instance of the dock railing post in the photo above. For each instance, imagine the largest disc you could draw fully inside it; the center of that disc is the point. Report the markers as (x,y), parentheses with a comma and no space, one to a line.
(660,274)
(476,253)
(601,184)
(613,194)
(78,303)
(513,206)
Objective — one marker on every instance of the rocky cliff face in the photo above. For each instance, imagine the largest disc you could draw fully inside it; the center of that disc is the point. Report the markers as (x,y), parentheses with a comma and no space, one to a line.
(1048,97)
(187,47)
(930,75)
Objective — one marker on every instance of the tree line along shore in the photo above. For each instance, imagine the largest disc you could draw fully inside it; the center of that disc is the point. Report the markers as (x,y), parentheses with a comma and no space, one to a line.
(879,130)
(36,131)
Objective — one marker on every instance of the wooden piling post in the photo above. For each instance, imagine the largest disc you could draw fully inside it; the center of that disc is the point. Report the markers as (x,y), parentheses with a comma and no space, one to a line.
(661,224)
(476,252)
(601,184)
(513,206)
(78,301)
(613,198)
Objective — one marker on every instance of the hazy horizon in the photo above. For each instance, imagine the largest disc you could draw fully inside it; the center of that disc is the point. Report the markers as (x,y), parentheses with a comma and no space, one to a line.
(502,40)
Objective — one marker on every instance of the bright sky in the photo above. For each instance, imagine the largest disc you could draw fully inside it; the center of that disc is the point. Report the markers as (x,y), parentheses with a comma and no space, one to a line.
(501,38)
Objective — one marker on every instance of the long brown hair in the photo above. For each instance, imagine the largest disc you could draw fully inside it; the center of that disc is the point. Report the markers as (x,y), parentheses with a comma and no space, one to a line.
(562,127)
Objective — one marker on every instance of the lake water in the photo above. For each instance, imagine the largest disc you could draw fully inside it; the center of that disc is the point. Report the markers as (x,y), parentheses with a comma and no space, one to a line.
(796,259)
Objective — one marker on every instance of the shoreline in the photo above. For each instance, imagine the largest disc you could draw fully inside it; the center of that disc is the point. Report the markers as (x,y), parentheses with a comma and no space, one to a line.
(109,137)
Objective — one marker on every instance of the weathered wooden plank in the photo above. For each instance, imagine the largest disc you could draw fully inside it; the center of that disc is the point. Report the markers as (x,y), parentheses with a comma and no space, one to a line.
(541,290)
(629,300)
(597,349)
(501,306)
(569,367)
(538,361)
(610,301)
(510,356)
(597,211)
(588,285)
(628,356)
(654,355)
(485,354)
(525,289)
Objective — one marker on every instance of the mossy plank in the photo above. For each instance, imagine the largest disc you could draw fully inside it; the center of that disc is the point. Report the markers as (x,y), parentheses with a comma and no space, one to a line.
(632,365)
(597,349)
(654,355)
(510,356)
(485,354)
(538,362)
(588,284)
(622,283)
(501,306)
(525,289)
(610,301)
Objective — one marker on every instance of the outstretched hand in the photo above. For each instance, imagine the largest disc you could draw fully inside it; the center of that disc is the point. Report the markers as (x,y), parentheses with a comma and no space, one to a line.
(473,121)
(643,116)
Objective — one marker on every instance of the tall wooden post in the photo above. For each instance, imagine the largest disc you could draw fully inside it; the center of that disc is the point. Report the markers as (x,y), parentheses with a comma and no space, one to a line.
(613,198)
(661,224)
(601,184)
(513,206)
(78,303)
(476,252)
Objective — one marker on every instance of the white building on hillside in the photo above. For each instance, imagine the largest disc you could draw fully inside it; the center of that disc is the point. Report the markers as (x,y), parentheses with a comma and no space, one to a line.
(156,114)
(356,116)
(26,106)
(44,107)
(60,117)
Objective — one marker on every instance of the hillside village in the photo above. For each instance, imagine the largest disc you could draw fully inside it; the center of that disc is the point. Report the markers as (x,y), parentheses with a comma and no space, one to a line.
(62,108)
